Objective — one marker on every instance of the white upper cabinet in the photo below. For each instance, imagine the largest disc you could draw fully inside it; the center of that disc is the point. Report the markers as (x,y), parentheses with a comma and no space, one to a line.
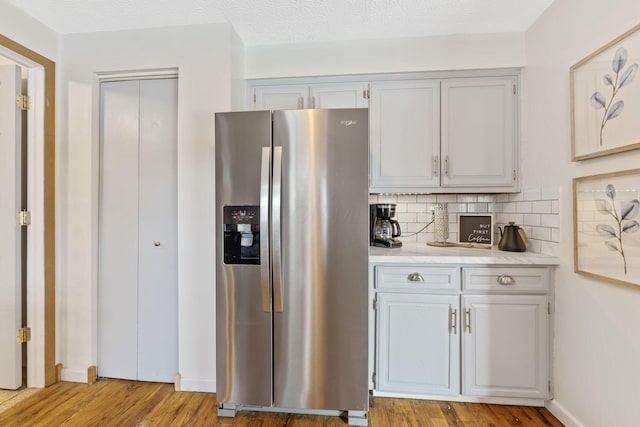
(478,141)
(404,135)
(444,135)
(292,97)
(332,95)
(282,97)
(439,132)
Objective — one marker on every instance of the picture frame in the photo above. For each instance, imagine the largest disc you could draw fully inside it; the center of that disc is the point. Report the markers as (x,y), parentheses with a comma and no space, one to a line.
(605,99)
(476,229)
(606,227)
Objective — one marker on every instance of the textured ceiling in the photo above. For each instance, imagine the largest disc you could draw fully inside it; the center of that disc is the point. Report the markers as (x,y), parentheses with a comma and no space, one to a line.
(261,22)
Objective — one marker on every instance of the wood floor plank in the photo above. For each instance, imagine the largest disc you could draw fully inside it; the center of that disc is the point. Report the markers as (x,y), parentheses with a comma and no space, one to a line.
(485,417)
(121,403)
(465,414)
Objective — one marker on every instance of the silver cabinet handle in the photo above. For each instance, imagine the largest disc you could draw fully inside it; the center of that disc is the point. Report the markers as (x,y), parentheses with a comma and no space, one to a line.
(313,101)
(446,165)
(300,102)
(467,319)
(415,277)
(505,279)
(156,244)
(453,320)
(435,166)
(264,229)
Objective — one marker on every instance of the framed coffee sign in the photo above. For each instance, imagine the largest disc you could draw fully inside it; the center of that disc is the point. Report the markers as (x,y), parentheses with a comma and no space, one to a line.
(475,229)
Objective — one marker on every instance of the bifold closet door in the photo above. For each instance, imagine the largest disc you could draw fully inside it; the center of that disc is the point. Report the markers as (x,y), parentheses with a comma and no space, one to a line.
(138,292)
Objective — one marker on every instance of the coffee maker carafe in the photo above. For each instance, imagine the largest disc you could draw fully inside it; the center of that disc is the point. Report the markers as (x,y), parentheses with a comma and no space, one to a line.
(384,230)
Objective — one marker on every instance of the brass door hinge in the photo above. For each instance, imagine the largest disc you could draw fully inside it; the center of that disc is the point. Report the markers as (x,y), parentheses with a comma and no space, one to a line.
(23,102)
(23,218)
(23,335)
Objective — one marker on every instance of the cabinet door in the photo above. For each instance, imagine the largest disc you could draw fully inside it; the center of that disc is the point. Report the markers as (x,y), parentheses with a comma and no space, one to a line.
(404,135)
(479,133)
(505,343)
(283,97)
(418,344)
(345,95)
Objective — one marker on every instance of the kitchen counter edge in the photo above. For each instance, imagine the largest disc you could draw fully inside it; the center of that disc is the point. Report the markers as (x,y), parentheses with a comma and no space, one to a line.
(421,253)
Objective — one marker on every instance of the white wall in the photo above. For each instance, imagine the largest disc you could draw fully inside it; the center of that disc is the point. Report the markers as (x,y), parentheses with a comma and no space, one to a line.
(457,52)
(597,346)
(25,30)
(238,83)
(202,56)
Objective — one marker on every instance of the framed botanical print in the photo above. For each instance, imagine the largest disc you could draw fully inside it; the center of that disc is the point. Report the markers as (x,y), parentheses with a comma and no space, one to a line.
(606,226)
(605,99)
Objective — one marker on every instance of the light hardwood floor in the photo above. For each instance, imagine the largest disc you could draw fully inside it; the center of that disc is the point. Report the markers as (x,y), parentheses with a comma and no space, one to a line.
(129,403)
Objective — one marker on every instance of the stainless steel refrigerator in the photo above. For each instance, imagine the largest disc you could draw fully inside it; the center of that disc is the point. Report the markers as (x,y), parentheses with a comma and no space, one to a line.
(292,254)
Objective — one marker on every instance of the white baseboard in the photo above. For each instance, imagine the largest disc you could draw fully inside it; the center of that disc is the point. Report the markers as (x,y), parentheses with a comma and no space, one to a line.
(561,413)
(74,375)
(197,384)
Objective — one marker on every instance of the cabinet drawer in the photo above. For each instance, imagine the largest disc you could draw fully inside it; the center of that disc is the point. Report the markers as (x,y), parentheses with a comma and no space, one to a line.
(506,279)
(418,278)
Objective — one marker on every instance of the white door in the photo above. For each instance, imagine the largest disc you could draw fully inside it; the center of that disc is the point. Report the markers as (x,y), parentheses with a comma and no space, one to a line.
(404,121)
(479,141)
(338,95)
(10,233)
(138,337)
(418,344)
(505,346)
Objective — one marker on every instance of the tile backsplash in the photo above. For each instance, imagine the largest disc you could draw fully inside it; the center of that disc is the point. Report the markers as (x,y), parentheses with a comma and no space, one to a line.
(536,210)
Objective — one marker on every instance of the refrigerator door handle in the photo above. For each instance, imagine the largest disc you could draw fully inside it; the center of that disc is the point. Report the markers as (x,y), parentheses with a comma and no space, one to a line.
(265,173)
(276,229)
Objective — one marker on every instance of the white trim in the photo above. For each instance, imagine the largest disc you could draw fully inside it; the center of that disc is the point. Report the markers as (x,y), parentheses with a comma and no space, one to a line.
(520,401)
(161,73)
(35,232)
(367,78)
(74,375)
(561,413)
(197,384)
(18,59)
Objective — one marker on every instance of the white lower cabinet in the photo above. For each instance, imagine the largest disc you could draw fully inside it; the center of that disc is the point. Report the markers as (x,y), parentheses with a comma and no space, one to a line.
(419,344)
(463,333)
(505,345)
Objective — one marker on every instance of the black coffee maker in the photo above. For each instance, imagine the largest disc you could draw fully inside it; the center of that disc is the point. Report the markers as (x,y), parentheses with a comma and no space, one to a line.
(383,230)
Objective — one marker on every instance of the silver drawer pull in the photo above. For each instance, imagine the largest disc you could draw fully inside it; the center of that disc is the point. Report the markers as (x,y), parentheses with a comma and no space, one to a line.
(505,279)
(415,277)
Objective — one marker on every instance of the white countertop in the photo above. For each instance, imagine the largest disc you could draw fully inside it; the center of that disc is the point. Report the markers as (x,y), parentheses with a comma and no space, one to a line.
(419,253)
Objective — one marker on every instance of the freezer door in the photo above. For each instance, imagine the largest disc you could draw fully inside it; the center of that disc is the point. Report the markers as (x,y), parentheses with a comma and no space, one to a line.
(320,336)
(243,326)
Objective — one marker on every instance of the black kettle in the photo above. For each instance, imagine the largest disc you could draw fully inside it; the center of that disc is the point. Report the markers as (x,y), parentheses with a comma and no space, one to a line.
(512,238)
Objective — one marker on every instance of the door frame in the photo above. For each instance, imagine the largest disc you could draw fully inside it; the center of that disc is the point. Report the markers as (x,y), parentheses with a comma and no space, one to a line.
(41,201)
